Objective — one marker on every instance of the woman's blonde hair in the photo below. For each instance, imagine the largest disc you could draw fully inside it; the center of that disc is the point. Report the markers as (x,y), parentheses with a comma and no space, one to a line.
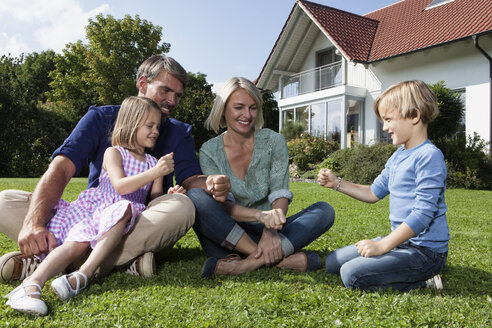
(216,117)
(132,115)
(406,98)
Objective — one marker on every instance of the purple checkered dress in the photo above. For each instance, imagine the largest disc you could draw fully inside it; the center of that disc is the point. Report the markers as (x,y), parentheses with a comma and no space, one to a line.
(98,209)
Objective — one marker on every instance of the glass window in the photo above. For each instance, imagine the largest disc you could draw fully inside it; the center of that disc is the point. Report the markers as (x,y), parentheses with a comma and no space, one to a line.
(436,3)
(334,120)
(318,120)
(302,116)
(353,122)
(462,129)
(287,116)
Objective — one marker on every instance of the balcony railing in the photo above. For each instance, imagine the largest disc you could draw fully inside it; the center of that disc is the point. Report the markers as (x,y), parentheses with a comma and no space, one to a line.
(312,80)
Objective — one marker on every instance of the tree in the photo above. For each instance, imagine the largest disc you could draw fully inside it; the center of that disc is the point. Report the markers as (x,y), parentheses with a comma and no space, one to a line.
(447,122)
(104,70)
(195,105)
(34,75)
(28,133)
(270,111)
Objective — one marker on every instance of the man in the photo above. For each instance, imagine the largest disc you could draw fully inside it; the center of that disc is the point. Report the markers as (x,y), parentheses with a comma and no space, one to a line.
(23,216)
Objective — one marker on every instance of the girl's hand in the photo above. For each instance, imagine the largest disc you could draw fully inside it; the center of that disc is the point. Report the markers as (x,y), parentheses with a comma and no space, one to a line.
(327,179)
(177,189)
(368,248)
(272,219)
(165,165)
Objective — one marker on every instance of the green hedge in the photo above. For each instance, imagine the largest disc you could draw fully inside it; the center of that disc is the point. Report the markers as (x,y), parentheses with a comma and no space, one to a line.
(306,150)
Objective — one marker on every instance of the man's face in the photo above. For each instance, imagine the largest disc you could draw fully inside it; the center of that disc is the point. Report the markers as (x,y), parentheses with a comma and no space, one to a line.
(165,90)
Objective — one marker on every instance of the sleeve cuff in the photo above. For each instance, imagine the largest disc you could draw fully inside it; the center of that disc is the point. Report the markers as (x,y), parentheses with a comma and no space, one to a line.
(282,193)
(415,223)
(378,192)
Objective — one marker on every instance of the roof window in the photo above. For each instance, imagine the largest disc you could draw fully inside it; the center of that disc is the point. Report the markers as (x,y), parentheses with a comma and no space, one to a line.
(437,3)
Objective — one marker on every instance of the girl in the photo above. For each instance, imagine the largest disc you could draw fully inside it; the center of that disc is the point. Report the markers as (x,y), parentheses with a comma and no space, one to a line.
(101,215)
(415,251)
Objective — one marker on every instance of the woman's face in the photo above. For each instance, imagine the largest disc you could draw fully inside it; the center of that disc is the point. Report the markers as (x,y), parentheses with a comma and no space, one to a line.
(240,112)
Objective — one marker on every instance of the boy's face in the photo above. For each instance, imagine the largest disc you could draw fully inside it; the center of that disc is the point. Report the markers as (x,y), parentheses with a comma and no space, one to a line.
(402,130)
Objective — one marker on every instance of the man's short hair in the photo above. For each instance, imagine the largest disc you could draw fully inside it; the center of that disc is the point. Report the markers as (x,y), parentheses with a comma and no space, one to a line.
(155,64)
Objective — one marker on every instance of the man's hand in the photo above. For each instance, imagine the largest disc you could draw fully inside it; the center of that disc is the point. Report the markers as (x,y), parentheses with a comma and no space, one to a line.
(270,246)
(218,186)
(35,240)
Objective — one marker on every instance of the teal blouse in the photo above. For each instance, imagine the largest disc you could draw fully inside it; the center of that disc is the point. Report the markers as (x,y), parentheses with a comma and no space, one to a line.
(267,178)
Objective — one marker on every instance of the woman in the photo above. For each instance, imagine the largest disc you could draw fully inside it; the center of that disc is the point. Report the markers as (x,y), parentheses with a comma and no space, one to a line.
(252,221)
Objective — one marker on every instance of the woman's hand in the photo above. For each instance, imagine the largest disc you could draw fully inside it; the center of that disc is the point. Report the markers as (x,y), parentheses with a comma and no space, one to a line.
(218,186)
(270,246)
(368,248)
(327,179)
(271,219)
(177,189)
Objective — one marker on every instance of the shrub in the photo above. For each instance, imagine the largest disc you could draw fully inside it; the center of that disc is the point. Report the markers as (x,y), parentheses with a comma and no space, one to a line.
(292,130)
(308,150)
(468,164)
(361,164)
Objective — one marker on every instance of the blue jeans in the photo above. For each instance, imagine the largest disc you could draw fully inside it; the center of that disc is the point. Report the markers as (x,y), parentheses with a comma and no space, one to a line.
(403,268)
(219,233)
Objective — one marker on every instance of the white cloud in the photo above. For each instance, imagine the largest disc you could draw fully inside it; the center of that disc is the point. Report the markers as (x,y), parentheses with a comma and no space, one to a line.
(47,24)
(217,86)
(12,45)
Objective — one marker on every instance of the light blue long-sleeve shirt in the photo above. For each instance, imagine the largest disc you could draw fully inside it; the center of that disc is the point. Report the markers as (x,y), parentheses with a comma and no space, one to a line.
(416,181)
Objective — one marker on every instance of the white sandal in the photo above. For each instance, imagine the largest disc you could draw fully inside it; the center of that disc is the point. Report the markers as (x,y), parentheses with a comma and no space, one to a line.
(20,300)
(62,288)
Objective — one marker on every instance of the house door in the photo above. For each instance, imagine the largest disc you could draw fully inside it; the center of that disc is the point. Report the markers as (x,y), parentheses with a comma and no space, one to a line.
(326,74)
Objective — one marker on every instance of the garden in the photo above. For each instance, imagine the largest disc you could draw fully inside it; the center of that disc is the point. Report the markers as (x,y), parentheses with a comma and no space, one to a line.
(270,297)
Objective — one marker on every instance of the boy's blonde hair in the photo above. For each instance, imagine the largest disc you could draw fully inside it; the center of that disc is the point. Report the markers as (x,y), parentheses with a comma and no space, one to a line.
(405,98)
(216,117)
(132,114)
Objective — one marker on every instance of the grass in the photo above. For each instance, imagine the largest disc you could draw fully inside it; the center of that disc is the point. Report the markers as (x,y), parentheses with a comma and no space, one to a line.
(178,297)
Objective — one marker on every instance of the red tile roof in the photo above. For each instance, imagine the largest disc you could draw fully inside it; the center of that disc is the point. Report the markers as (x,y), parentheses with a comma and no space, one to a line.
(406,26)
(353,34)
(402,27)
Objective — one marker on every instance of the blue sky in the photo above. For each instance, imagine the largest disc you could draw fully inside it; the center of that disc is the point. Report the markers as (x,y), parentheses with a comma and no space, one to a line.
(220,38)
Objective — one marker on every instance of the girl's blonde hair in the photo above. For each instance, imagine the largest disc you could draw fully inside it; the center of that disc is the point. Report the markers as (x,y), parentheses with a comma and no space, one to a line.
(132,115)
(216,117)
(406,98)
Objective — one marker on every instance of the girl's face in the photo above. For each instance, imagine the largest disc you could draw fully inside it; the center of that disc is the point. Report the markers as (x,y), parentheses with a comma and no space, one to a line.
(240,112)
(401,130)
(148,132)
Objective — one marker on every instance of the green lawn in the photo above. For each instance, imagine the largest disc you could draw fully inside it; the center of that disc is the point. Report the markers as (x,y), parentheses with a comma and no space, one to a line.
(178,297)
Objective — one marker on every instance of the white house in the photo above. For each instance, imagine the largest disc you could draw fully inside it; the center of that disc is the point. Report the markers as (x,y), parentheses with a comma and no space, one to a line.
(328,65)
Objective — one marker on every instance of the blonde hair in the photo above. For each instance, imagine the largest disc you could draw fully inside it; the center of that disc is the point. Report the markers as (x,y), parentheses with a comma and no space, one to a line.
(216,117)
(406,98)
(132,115)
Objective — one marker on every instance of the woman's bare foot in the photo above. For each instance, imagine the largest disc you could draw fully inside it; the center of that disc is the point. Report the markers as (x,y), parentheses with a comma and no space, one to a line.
(301,261)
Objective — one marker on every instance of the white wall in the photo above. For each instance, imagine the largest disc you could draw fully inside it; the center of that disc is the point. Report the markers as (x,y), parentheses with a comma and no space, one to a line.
(460,65)
(478,110)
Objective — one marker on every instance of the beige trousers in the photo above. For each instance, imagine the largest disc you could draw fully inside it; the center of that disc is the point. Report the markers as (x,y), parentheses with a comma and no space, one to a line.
(165,220)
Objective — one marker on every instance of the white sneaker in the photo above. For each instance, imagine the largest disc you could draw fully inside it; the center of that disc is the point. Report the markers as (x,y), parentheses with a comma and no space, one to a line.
(62,288)
(434,282)
(143,266)
(21,301)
